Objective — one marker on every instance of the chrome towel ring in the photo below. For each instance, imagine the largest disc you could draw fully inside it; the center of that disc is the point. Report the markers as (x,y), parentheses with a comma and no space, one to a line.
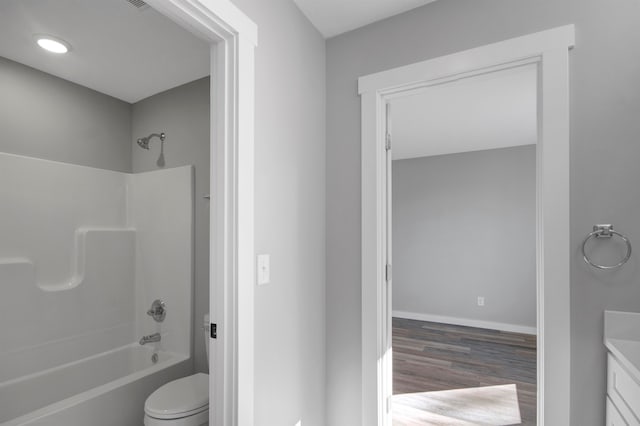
(605,231)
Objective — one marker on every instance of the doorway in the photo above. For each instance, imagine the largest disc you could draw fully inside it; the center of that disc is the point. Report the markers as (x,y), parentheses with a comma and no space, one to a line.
(548,52)
(462,207)
(232,37)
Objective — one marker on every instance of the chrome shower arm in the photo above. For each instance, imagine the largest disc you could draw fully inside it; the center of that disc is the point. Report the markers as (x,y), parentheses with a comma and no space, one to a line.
(162,136)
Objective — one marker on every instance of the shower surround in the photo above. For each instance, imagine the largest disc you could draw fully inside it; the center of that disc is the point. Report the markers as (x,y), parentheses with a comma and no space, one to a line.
(84,253)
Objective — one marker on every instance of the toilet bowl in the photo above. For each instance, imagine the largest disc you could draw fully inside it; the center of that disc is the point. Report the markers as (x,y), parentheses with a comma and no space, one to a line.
(182,402)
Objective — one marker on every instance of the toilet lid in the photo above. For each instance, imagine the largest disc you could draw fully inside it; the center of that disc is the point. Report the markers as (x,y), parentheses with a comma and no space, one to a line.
(179,398)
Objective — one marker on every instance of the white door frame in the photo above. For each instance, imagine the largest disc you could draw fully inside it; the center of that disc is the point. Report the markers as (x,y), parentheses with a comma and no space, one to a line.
(233,38)
(550,51)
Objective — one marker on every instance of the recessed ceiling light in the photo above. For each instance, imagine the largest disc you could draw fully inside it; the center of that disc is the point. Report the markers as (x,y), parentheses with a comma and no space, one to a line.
(52,44)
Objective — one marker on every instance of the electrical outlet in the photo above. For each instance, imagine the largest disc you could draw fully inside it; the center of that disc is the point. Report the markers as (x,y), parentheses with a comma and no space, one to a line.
(480,300)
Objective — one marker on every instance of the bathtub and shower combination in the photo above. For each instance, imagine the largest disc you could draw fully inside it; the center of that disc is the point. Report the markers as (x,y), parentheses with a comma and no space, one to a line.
(84,254)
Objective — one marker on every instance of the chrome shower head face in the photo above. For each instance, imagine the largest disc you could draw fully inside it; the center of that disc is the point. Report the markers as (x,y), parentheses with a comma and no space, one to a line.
(143,143)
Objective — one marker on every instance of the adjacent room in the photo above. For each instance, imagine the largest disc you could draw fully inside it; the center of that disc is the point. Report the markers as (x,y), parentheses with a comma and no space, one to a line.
(463,205)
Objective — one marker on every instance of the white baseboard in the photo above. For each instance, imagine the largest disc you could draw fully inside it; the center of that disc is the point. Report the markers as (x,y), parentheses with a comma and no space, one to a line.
(466,322)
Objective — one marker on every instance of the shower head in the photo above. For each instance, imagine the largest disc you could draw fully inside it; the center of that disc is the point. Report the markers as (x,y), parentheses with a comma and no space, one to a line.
(144,142)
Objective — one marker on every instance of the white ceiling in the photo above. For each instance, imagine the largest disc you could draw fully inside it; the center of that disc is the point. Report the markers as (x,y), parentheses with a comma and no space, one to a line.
(333,17)
(117,49)
(496,110)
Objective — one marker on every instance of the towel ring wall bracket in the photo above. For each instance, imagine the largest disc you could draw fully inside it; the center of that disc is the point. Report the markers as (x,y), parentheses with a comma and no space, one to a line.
(605,231)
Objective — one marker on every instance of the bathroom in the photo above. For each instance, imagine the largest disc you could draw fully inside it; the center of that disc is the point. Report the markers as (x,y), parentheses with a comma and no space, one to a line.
(104,260)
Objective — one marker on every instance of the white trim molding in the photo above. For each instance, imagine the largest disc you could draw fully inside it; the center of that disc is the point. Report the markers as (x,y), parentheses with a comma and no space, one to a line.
(549,50)
(458,65)
(467,322)
(233,38)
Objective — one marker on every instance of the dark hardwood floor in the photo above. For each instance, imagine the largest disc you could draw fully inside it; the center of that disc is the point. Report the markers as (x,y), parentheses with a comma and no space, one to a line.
(433,357)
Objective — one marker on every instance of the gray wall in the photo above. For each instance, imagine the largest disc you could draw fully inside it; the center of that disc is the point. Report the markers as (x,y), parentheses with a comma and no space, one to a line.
(464,226)
(605,106)
(183,114)
(46,117)
(290,215)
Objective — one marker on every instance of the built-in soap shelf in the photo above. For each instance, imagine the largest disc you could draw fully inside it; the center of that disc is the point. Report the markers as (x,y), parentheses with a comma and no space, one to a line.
(90,244)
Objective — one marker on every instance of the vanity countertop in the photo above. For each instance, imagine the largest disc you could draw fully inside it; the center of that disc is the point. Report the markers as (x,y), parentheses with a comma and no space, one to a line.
(622,339)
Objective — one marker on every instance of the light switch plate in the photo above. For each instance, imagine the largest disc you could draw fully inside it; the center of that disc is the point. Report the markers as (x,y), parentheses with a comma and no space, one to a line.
(263,269)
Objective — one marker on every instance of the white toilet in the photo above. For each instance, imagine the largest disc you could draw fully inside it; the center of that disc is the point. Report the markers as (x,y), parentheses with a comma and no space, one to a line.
(182,402)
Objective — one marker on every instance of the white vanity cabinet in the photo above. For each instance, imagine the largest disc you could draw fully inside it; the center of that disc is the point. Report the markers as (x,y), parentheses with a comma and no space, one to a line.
(622,339)
(614,418)
(623,395)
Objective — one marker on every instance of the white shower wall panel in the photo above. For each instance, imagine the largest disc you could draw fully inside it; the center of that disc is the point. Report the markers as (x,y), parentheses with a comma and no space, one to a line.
(44,202)
(162,214)
(59,303)
(76,276)
(48,328)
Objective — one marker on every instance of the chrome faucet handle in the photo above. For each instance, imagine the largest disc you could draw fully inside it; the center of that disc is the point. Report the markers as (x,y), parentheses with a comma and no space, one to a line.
(158,310)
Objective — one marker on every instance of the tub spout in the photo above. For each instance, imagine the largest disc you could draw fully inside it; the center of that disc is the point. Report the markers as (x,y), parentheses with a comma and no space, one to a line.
(155,337)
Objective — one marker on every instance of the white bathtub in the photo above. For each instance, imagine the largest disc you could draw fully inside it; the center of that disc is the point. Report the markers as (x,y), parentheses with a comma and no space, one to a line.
(108,389)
